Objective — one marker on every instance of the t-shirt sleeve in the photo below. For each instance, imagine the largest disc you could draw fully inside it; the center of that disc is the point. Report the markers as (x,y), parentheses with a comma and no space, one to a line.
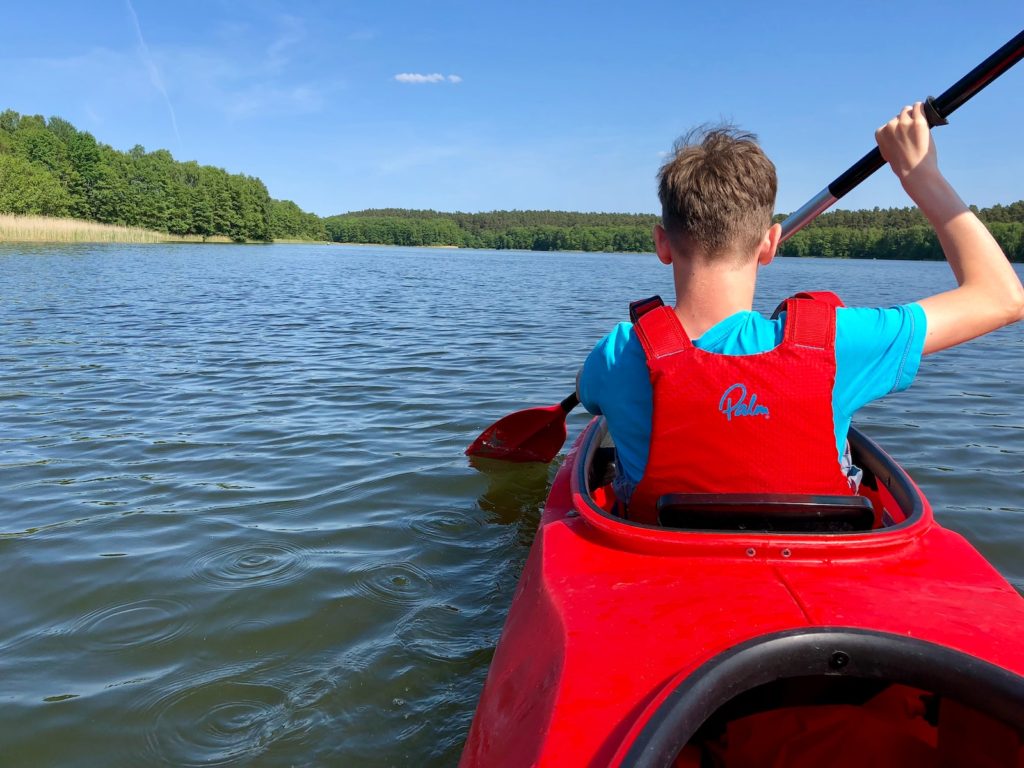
(878,351)
(614,383)
(597,369)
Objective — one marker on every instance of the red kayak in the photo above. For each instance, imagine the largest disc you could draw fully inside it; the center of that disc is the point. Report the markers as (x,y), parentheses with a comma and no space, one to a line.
(753,631)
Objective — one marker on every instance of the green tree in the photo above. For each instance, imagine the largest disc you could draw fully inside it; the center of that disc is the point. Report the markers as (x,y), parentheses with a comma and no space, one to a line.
(30,190)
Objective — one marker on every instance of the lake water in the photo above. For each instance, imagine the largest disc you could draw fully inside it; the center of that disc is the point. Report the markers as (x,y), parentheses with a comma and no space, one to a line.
(236,523)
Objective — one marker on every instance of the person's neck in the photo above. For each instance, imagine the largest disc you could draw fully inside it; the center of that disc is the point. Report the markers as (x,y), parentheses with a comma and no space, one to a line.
(707,293)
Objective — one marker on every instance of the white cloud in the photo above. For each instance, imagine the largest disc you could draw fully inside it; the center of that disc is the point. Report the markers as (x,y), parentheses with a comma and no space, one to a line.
(436,77)
(410,77)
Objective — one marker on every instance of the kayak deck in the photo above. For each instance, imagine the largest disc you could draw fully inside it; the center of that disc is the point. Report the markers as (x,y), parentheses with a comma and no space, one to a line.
(614,621)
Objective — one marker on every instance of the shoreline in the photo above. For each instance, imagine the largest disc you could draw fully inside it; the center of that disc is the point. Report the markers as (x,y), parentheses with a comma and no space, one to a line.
(15,229)
(50,229)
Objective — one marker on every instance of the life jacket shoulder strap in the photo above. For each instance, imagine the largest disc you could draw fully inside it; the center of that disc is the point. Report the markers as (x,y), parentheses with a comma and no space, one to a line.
(827,297)
(810,322)
(641,307)
(811,319)
(824,296)
(657,328)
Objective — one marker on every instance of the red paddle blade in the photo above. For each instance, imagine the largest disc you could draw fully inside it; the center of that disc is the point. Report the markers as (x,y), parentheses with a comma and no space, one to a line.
(536,434)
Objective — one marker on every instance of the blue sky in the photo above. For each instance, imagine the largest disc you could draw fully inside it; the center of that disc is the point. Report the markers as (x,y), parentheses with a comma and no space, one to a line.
(475,106)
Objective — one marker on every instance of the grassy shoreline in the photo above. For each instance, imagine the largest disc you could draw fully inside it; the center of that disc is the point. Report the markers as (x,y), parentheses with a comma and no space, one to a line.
(48,229)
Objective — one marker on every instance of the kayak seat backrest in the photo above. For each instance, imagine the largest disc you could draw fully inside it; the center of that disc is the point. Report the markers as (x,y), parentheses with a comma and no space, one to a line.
(794,513)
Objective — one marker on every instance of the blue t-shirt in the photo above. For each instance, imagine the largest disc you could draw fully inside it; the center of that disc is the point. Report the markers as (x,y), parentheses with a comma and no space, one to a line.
(878,351)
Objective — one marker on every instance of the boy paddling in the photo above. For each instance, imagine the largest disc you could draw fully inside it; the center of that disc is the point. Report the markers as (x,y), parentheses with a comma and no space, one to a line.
(709,396)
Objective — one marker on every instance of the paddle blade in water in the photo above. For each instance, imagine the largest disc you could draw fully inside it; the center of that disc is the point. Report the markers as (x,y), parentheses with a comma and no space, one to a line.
(536,434)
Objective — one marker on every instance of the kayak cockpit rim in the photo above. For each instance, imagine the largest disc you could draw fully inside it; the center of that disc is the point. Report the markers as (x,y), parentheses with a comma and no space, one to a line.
(880,471)
(835,655)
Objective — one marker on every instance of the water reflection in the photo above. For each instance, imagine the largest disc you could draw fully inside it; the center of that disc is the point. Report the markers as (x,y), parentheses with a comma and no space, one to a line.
(514,489)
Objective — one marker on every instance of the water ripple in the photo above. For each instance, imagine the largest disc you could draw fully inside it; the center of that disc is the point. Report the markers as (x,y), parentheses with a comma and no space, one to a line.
(399,583)
(444,527)
(148,622)
(215,722)
(444,633)
(243,565)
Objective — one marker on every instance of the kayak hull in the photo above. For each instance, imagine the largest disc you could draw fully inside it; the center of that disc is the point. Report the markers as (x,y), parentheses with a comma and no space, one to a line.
(611,619)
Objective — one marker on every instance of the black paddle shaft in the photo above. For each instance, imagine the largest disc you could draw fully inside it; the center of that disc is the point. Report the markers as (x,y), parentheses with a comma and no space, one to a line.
(937,109)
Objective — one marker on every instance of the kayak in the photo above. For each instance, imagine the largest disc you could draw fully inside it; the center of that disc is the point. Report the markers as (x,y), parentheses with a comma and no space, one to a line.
(753,630)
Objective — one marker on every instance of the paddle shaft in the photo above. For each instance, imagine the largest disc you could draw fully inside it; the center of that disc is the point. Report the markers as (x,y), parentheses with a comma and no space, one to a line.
(941,107)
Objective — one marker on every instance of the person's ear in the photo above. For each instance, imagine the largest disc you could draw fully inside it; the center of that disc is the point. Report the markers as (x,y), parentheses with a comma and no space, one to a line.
(662,245)
(769,245)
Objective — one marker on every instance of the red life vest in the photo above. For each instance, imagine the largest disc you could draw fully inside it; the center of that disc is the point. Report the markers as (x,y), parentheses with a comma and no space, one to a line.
(758,423)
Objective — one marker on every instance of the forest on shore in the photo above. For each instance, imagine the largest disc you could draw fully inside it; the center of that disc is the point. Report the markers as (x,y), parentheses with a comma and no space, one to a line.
(50,168)
(889,233)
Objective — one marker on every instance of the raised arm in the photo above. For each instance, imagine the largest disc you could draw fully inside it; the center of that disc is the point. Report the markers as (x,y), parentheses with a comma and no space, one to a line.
(990,294)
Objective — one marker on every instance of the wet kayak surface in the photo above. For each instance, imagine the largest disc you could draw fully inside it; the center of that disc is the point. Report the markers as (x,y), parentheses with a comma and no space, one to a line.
(236,523)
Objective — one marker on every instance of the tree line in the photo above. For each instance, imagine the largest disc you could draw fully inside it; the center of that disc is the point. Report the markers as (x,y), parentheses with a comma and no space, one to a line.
(49,168)
(519,230)
(897,233)
(889,233)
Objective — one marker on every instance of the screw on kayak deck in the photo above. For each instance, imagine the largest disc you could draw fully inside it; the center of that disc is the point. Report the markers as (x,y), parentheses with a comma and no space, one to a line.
(839,660)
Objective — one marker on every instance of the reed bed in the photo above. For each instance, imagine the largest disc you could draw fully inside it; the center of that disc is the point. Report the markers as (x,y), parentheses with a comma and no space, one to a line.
(46,229)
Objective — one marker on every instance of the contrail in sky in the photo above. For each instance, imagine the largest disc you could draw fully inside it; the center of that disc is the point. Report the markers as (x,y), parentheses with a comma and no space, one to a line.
(154,73)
